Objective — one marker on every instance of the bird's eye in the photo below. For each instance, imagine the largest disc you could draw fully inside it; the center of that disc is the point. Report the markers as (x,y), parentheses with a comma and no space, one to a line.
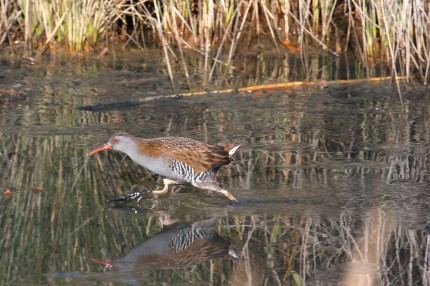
(115,140)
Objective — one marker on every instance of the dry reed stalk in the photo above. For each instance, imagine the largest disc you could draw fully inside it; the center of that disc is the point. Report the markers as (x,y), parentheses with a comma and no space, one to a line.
(223,41)
(305,31)
(327,10)
(207,24)
(419,38)
(28,21)
(237,32)
(138,13)
(174,14)
(9,17)
(164,42)
(269,16)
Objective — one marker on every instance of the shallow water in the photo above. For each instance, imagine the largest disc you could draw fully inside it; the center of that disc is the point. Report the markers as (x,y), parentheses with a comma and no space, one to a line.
(332,183)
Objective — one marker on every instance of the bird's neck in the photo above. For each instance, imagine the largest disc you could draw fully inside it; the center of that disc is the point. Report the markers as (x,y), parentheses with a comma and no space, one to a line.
(144,154)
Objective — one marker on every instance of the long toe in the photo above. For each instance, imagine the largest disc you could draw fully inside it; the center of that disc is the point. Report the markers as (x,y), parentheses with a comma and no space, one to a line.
(234,201)
(229,195)
(214,186)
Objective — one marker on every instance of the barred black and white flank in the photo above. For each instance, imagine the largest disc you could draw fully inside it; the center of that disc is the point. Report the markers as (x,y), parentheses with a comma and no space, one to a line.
(186,173)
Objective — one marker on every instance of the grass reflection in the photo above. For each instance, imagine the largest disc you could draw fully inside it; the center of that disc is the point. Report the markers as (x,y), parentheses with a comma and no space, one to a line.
(331,188)
(58,228)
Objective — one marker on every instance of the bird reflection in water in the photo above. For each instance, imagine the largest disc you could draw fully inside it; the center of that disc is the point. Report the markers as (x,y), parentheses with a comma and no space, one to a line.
(178,245)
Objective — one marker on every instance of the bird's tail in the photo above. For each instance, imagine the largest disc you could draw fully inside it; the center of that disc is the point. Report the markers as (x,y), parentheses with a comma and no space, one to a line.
(232,149)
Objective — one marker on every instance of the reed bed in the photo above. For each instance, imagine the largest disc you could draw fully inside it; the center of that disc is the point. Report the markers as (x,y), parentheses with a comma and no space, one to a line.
(388,33)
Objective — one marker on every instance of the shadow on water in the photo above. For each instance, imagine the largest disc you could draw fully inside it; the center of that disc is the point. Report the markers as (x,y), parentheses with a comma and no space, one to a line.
(333,185)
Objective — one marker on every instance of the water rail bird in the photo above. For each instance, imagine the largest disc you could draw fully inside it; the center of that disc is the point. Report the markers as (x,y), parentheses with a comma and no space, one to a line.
(176,159)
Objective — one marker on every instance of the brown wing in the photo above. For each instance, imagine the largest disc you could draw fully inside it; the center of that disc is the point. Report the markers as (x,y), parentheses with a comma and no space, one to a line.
(199,156)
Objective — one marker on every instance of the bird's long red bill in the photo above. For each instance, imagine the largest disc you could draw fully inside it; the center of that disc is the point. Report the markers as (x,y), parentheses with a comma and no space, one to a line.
(106,263)
(106,146)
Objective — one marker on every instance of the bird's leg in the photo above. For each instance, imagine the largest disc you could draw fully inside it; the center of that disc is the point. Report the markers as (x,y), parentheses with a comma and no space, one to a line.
(166,182)
(213,186)
(138,195)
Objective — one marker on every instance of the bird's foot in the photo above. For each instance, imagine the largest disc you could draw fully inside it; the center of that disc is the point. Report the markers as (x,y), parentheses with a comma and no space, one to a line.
(234,202)
(226,193)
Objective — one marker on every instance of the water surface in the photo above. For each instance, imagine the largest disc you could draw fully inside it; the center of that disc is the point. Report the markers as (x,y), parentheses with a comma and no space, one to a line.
(333,182)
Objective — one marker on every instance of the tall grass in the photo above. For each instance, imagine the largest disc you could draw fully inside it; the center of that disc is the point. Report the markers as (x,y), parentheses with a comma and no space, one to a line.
(42,24)
(392,32)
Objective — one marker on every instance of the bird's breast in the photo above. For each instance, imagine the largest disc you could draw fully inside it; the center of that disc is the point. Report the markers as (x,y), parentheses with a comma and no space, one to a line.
(158,165)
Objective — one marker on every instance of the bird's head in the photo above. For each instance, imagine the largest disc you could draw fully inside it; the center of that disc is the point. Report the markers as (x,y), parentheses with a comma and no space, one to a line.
(119,142)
